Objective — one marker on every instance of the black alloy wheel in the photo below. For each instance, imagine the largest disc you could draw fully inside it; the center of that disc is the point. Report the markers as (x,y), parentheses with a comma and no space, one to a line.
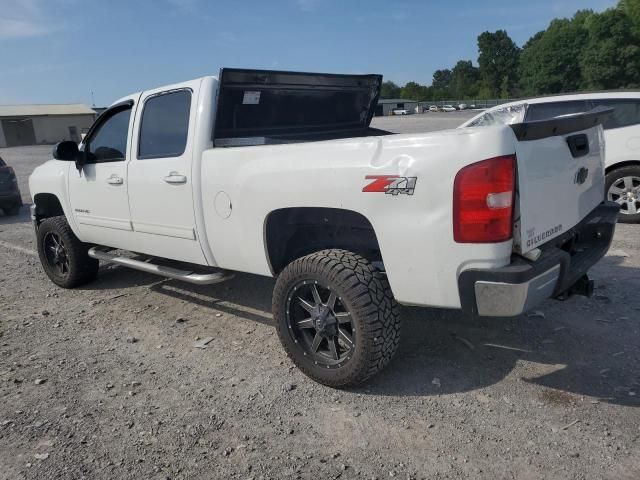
(321,324)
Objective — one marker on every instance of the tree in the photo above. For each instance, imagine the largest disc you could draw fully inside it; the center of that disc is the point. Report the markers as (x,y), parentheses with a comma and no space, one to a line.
(389,90)
(631,8)
(611,56)
(550,60)
(441,79)
(498,61)
(464,80)
(415,91)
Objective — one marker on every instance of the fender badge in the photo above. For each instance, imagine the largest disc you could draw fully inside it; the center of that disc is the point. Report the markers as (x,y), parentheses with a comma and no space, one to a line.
(391,184)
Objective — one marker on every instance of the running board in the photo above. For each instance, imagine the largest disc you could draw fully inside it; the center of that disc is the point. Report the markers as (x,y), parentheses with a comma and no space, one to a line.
(184,275)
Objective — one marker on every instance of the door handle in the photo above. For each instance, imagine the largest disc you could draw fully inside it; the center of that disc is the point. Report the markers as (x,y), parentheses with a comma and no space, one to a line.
(175,178)
(115,180)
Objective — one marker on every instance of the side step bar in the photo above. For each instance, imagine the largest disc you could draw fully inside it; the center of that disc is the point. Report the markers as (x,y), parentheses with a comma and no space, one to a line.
(184,275)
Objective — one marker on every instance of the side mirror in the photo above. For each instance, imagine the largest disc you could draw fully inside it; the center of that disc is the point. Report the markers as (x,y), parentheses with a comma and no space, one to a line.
(67,151)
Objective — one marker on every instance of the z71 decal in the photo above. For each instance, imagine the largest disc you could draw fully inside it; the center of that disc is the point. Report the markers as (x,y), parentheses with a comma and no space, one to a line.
(391,184)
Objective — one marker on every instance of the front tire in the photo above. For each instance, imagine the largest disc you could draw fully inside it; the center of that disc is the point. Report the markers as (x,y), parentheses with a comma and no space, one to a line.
(623,187)
(336,317)
(63,256)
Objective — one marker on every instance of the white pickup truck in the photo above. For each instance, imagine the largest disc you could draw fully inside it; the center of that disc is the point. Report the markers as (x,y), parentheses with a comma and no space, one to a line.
(280,174)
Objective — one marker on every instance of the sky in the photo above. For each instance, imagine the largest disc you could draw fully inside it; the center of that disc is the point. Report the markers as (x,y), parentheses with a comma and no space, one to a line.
(59,51)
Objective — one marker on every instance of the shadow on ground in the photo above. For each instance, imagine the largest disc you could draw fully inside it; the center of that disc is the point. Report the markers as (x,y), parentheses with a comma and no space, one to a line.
(578,355)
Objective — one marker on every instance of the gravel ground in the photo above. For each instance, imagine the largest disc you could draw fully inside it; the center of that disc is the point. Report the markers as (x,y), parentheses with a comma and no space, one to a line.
(105,381)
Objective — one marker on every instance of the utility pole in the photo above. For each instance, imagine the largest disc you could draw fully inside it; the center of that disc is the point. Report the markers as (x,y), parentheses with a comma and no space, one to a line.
(93,100)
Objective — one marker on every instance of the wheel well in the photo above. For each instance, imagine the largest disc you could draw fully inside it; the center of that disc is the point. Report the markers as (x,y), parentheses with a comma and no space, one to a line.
(626,163)
(47,205)
(292,233)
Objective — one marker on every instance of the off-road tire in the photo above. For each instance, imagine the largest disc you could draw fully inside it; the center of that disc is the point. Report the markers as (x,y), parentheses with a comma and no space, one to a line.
(365,293)
(615,175)
(82,268)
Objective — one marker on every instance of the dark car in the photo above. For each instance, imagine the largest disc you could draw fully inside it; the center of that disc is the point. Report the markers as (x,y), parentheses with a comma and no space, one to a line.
(10,198)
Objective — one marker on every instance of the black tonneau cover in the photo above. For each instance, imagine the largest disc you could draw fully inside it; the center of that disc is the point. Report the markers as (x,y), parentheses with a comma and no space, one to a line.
(285,105)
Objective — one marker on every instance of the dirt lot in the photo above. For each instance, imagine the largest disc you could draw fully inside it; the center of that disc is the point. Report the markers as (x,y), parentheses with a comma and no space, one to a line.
(105,382)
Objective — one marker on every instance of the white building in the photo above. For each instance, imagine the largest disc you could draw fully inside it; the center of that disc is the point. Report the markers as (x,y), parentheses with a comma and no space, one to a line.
(43,124)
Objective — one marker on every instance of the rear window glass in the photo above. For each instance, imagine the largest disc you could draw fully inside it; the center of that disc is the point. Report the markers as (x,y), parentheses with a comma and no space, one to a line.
(544,111)
(165,125)
(501,116)
(626,112)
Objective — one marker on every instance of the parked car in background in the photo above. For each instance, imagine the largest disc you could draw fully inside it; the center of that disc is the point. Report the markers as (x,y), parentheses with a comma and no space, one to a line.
(400,111)
(621,133)
(10,198)
(463,106)
(448,108)
(433,108)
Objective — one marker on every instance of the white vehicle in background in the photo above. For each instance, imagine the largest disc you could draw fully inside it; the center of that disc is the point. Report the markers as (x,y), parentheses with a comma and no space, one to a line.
(400,111)
(434,108)
(463,106)
(448,108)
(621,134)
(194,180)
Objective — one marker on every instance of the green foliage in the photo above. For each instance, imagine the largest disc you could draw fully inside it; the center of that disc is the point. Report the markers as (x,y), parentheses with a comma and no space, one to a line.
(550,60)
(464,80)
(589,51)
(498,61)
(389,90)
(611,56)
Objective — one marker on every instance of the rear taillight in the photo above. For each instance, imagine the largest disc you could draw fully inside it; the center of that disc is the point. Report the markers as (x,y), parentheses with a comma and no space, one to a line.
(483,201)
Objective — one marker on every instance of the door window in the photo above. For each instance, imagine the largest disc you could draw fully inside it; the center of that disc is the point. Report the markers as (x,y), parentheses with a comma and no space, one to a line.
(109,142)
(626,112)
(165,125)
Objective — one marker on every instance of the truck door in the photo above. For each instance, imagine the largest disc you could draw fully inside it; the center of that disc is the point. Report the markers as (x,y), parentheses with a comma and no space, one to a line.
(98,191)
(160,180)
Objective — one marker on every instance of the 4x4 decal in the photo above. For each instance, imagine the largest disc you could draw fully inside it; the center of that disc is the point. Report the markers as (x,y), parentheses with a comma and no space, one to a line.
(391,184)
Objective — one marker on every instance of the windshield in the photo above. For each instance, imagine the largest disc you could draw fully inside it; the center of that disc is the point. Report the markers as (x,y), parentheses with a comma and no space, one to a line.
(501,116)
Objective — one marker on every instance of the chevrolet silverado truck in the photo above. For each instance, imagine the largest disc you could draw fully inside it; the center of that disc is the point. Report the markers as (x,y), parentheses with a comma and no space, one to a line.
(280,174)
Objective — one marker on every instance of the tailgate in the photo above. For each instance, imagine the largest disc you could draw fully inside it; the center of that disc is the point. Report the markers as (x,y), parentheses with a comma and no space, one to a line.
(560,175)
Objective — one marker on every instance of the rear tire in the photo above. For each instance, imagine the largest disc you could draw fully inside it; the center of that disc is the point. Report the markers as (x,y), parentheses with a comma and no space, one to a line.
(353,329)
(622,186)
(63,256)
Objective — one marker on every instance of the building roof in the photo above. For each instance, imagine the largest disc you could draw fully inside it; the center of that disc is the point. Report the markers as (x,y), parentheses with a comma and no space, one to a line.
(51,109)
(396,100)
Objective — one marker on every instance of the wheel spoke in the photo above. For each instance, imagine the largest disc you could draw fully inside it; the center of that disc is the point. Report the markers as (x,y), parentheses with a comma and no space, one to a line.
(631,207)
(628,182)
(306,323)
(316,342)
(346,338)
(306,305)
(333,347)
(343,317)
(616,190)
(316,294)
(332,300)
(620,201)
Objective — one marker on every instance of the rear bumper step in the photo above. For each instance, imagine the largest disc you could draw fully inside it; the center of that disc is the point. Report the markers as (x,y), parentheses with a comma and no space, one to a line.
(561,270)
(168,272)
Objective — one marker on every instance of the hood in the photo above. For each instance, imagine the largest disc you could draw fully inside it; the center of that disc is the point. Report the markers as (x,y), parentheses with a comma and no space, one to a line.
(270,103)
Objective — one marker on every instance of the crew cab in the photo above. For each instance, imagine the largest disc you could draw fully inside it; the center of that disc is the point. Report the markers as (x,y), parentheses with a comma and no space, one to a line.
(280,174)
